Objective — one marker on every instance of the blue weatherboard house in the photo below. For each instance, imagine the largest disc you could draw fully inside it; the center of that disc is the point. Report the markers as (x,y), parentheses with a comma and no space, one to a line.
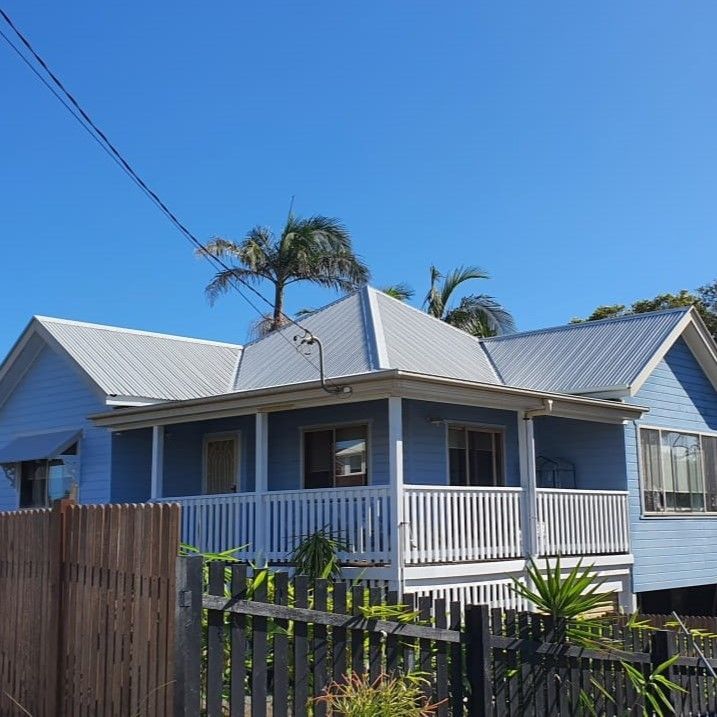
(442,461)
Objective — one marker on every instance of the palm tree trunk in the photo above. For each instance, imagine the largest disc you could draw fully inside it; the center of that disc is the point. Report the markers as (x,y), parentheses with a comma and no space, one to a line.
(278,319)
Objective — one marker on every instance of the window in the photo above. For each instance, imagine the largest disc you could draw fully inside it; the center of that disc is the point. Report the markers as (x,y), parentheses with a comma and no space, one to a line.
(221,464)
(475,456)
(48,479)
(679,471)
(336,457)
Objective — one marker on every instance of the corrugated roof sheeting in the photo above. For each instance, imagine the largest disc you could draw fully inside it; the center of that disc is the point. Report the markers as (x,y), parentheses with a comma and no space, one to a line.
(582,357)
(417,342)
(134,363)
(341,328)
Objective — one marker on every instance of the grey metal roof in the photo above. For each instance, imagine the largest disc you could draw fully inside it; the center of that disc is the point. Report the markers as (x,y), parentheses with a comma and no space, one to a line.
(580,358)
(363,332)
(125,362)
(417,342)
(277,360)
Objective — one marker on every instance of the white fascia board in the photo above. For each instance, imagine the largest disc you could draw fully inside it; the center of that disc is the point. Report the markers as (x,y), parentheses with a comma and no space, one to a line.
(366,387)
(700,341)
(116,400)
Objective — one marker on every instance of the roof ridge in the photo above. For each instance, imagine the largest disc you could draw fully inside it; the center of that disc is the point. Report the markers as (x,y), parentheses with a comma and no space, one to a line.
(156,334)
(581,324)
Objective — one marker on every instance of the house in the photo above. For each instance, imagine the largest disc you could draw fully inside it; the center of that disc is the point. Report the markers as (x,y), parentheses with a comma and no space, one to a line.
(442,461)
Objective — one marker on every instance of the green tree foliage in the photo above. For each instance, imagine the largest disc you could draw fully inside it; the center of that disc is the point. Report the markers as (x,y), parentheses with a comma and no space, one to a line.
(316,249)
(704,300)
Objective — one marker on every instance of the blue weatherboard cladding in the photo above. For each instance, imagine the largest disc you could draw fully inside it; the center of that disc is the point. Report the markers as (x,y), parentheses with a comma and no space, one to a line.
(672,552)
(597,450)
(285,468)
(54,395)
(425,441)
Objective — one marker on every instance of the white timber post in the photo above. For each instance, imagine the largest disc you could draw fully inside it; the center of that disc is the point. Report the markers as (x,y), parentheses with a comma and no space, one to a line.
(261,484)
(156,488)
(395,471)
(528,482)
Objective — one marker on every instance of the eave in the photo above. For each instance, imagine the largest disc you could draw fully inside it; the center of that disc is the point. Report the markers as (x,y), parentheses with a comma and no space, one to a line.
(366,387)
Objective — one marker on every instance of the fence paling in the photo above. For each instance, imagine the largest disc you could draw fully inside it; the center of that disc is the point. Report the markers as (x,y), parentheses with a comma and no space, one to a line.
(90,630)
(509,661)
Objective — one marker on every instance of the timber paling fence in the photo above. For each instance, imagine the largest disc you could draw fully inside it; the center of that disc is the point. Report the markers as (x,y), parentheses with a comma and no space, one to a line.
(274,648)
(87,604)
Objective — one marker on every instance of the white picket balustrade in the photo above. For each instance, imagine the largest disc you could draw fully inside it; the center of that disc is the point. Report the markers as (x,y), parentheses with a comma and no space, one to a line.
(582,522)
(359,517)
(451,524)
(214,523)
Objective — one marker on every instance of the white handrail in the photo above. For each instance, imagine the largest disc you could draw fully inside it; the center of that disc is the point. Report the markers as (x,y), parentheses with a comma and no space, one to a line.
(447,525)
(582,522)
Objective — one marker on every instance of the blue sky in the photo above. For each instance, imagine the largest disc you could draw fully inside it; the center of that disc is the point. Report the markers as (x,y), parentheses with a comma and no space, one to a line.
(569,148)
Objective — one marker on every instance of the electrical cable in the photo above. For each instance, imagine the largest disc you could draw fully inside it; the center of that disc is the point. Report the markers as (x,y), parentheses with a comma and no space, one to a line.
(83,118)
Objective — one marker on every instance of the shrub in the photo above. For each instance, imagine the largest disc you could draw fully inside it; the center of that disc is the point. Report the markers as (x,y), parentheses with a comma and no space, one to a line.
(358,696)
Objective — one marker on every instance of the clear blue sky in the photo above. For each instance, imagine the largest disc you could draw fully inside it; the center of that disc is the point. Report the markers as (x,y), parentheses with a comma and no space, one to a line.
(569,148)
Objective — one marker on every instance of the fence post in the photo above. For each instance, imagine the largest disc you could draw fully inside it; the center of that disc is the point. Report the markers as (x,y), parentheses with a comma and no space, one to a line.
(55,648)
(662,648)
(478,660)
(188,642)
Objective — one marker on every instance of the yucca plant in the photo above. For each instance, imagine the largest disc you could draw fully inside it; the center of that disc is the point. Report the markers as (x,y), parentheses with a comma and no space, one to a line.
(317,555)
(386,696)
(569,602)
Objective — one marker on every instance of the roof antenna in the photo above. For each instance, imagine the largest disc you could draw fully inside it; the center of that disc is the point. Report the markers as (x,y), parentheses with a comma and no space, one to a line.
(308,339)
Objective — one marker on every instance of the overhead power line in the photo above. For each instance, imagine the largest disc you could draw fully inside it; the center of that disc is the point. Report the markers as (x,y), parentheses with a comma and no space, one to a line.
(71,104)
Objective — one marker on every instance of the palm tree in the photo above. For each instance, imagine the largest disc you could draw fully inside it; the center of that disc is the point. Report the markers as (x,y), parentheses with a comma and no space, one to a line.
(316,249)
(478,314)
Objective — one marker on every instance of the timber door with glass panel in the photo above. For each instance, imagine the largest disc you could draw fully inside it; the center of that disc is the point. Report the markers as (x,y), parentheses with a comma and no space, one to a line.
(221,464)
(336,457)
(475,456)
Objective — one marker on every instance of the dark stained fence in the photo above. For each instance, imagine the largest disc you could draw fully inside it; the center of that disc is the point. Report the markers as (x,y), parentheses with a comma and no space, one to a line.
(87,605)
(273,649)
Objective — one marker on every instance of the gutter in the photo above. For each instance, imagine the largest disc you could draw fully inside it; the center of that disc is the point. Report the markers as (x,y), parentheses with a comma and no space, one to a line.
(368,386)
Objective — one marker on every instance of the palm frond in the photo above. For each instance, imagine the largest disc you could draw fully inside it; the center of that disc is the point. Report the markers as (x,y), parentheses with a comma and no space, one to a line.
(225,281)
(481,315)
(402,291)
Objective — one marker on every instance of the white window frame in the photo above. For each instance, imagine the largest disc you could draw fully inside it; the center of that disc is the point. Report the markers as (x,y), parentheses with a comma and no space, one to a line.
(223,436)
(368,423)
(682,514)
(478,428)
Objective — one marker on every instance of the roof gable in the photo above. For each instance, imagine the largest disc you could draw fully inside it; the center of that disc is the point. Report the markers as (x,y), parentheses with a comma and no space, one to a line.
(130,365)
(608,357)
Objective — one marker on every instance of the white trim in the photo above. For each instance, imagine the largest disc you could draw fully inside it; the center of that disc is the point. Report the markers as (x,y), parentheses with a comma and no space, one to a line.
(376,327)
(332,426)
(222,436)
(396,483)
(529,484)
(375,385)
(664,514)
(157,470)
(692,329)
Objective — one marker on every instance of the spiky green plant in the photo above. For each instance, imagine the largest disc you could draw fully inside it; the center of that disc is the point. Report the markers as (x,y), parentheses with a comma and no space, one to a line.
(386,696)
(568,601)
(317,555)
